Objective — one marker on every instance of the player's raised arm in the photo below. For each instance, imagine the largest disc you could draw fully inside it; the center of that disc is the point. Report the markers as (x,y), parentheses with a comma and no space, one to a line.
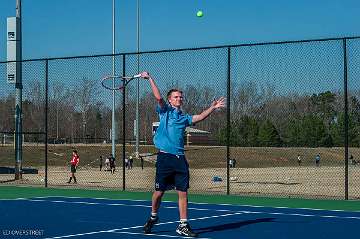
(154,88)
(216,104)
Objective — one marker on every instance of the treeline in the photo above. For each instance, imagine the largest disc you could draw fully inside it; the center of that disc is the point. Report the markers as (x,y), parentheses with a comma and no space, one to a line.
(294,121)
(258,116)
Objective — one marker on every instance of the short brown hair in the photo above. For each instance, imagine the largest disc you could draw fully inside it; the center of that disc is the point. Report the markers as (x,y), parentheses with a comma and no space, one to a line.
(173,90)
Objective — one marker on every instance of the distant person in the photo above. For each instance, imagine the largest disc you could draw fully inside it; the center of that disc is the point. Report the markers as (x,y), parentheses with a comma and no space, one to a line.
(112,163)
(317,160)
(126,163)
(131,161)
(299,159)
(107,164)
(142,162)
(232,163)
(352,160)
(101,162)
(74,164)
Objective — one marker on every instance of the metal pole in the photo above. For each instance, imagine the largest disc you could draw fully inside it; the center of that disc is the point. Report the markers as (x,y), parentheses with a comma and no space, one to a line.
(113,126)
(228,123)
(46,119)
(137,135)
(123,126)
(18,99)
(346,119)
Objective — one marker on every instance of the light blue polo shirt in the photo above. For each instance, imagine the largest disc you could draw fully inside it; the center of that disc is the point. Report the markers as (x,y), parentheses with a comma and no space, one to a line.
(169,136)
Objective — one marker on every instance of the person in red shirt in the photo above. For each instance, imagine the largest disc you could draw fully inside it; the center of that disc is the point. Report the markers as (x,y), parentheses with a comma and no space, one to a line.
(74,163)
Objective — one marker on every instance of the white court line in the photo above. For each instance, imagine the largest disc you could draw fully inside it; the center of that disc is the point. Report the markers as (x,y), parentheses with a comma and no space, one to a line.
(134,227)
(204,203)
(87,203)
(198,209)
(123,204)
(158,235)
(291,208)
(299,215)
(109,199)
(12,199)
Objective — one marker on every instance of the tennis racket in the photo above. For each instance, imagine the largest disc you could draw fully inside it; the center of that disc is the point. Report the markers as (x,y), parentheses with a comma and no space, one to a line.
(115,82)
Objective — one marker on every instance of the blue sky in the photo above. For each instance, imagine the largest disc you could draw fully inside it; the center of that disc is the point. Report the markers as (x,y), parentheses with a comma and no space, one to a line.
(56,28)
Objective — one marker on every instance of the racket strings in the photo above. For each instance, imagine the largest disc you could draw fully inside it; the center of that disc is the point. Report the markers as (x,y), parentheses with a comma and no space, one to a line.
(114,83)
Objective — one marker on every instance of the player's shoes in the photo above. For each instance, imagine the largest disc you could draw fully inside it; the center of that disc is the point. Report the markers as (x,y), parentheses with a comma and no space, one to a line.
(149,224)
(184,229)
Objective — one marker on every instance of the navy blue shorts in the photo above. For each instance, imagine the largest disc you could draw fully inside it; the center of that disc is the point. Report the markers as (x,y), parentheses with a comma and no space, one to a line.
(172,172)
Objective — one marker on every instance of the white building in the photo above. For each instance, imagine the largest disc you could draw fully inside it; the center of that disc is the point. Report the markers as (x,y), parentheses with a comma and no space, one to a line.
(193,136)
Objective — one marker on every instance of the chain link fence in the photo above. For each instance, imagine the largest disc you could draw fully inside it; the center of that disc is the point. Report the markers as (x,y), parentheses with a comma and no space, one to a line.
(291,128)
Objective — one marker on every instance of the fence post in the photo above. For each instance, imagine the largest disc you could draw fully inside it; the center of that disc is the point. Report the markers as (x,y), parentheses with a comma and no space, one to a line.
(346,119)
(123,124)
(228,122)
(46,118)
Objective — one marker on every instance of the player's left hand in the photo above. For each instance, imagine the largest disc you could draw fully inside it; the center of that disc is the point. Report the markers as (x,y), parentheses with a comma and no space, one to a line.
(219,103)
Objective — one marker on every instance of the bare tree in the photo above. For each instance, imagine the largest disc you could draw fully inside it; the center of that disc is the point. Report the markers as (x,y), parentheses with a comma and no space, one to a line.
(36,96)
(84,97)
(7,113)
(59,101)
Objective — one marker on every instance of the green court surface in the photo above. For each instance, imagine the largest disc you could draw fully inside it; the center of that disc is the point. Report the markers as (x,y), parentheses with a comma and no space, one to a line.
(12,192)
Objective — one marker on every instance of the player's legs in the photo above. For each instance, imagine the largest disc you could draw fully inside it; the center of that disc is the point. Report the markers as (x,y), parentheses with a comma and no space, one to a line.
(164,172)
(182,178)
(184,228)
(156,201)
(183,204)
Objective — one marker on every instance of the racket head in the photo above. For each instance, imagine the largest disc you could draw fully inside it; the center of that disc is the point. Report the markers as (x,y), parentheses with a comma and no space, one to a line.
(115,82)
(112,82)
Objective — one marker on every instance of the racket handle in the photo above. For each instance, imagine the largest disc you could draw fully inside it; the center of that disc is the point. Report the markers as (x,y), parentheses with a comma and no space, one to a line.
(137,76)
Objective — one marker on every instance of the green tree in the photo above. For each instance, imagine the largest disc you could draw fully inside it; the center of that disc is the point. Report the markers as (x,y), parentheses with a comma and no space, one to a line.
(324,105)
(249,130)
(337,130)
(268,135)
(242,133)
(313,132)
(293,133)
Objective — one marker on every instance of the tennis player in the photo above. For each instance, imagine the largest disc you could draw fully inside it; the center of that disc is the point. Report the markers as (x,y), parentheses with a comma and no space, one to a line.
(74,163)
(172,168)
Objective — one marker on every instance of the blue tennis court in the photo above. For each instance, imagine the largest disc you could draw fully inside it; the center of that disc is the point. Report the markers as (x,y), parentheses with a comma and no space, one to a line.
(72,217)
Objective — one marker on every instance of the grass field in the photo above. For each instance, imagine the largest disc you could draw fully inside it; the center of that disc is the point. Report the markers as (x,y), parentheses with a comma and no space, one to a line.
(259,171)
(198,156)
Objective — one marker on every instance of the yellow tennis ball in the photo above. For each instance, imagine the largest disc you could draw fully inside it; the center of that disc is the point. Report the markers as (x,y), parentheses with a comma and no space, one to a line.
(199,14)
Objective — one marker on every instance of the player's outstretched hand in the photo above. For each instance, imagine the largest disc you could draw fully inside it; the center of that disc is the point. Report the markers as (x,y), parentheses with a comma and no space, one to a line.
(219,103)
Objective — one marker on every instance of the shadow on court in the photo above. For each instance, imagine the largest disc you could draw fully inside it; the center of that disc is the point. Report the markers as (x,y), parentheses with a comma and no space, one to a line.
(227,226)
(230,226)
